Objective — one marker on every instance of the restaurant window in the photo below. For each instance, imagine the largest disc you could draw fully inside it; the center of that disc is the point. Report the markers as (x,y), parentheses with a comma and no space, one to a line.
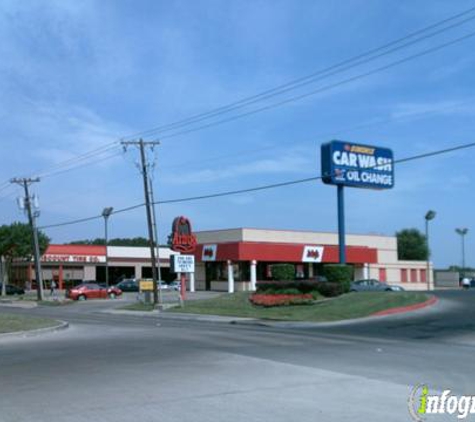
(403,275)
(413,276)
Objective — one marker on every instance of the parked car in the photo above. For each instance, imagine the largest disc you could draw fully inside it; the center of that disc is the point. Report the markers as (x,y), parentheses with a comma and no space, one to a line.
(174,285)
(128,285)
(372,285)
(92,291)
(10,289)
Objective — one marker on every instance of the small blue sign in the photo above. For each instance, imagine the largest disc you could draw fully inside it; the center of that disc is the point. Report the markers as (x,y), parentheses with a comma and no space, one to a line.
(356,165)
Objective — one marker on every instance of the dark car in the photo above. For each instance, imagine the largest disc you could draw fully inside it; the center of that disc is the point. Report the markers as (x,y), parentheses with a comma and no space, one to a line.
(372,285)
(92,291)
(10,289)
(128,285)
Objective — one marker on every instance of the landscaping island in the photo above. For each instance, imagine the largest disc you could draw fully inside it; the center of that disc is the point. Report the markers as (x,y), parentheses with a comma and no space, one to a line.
(10,323)
(347,306)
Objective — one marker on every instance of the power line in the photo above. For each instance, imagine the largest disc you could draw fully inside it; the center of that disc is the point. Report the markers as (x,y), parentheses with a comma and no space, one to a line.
(324,73)
(322,89)
(79,158)
(247,151)
(318,75)
(260,188)
(81,165)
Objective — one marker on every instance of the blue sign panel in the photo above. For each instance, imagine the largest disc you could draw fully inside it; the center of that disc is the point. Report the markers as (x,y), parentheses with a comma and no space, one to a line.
(361,166)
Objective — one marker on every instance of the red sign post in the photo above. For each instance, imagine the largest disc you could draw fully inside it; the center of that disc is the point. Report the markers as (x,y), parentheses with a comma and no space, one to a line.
(184,241)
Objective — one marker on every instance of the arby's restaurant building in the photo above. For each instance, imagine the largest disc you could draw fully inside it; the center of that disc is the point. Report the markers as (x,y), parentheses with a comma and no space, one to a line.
(246,255)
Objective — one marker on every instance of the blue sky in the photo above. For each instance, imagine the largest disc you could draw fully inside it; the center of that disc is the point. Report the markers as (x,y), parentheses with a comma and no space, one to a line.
(75,76)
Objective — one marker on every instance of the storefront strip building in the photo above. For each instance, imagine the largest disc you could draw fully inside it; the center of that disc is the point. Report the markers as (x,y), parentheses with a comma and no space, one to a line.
(72,264)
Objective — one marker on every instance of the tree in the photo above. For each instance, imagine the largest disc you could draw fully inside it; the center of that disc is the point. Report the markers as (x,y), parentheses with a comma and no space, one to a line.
(16,243)
(412,245)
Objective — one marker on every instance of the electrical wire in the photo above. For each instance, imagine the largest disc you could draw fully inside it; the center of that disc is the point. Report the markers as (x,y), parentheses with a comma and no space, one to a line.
(411,117)
(256,188)
(318,75)
(321,74)
(324,88)
(80,158)
(82,165)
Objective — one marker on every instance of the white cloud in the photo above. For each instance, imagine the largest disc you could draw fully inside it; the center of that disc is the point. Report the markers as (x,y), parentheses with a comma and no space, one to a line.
(447,107)
(282,164)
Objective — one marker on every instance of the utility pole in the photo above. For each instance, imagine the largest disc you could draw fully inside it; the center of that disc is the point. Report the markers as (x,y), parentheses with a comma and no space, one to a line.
(141,144)
(157,242)
(26,182)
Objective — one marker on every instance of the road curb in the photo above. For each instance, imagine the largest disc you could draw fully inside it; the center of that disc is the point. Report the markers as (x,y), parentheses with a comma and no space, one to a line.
(23,304)
(403,309)
(33,333)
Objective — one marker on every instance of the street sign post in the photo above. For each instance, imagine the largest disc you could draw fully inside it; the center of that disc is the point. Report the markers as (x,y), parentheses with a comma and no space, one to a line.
(183,264)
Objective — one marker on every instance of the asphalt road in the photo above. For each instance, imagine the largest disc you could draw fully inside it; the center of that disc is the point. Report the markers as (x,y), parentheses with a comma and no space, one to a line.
(118,368)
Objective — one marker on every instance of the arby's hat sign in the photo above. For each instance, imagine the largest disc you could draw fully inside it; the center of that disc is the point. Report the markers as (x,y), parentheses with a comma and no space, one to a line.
(209,252)
(182,238)
(312,254)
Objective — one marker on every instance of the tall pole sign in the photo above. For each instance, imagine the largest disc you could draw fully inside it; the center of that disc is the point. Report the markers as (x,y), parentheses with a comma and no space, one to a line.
(184,241)
(354,165)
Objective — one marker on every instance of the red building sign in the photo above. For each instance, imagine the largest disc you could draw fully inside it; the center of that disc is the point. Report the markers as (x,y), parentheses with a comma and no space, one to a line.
(182,238)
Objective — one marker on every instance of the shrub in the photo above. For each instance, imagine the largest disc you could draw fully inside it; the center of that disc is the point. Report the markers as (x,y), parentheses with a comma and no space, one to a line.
(339,273)
(283,272)
(330,289)
(268,301)
(300,286)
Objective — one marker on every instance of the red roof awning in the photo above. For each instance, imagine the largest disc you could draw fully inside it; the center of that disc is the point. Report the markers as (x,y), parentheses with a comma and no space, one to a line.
(91,250)
(286,252)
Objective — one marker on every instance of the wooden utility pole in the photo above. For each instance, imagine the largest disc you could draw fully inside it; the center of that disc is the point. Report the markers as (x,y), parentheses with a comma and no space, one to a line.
(26,182)
(141,144)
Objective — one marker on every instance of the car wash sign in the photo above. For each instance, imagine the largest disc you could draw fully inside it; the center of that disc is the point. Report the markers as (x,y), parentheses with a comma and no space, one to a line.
(360,166)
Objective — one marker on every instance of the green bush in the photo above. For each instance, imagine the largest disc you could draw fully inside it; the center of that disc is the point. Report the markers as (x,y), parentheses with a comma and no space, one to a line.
(330,289)
(286,287)
(316,288)
(339,273)
(283,272)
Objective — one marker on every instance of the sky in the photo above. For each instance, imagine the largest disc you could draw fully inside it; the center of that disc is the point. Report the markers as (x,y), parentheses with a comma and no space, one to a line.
(76,78)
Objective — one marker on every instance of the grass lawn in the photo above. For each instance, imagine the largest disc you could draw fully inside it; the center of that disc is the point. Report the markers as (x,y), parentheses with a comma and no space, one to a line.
(352,305)
(10,323)
(138,307)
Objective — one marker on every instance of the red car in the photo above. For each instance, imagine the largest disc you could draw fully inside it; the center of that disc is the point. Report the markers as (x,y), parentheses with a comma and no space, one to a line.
(92,291)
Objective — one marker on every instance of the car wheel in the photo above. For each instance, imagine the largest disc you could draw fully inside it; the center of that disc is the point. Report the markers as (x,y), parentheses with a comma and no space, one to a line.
(82,297)
(388,290)
(111,295)
(353,291)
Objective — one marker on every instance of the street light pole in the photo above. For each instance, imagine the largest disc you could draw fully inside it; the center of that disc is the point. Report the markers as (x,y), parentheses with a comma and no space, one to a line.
(462,232)
(430,215)
(106,212)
